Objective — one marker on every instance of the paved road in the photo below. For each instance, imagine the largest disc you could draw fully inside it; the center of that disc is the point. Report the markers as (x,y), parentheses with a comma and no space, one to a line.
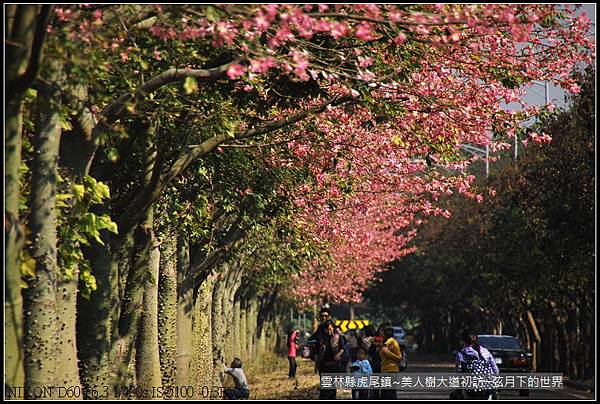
(440,364)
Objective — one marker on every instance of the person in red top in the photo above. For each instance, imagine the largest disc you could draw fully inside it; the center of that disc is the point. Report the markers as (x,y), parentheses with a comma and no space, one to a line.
(292,346)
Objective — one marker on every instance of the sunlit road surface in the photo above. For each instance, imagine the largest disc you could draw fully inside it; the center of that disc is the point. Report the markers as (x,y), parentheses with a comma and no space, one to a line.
(436,364)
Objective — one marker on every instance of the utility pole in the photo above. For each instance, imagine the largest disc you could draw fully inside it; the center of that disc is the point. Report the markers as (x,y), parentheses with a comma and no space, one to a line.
(516,145)
(487,157)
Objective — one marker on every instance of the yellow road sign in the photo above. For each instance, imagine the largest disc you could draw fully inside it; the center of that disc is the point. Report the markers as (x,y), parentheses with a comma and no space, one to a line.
(345,325)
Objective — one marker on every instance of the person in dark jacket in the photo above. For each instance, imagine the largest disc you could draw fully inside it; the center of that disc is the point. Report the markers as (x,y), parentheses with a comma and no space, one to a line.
(324,316)
(332,356)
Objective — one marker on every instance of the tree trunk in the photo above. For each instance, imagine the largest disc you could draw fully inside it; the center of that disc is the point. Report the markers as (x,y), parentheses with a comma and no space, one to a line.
(218,326)
(261,323)
(524,332)
(66,300)
(536,340)
(167,313)
(237,348)
(589,343)
(21,33)
(124,250)
(185,304)
(41,344)
(572,341)
(147,349)
(243,329)
(129,319)
(66,352)
(262,337)
(97,316)
(251,329)
(202,338)
(555,344)
(232,286)
(588,339)
(227,311)
(13,303)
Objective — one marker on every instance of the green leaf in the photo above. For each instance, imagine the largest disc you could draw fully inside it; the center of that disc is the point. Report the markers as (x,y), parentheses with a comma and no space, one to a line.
(112,155)
(190,85)
(103,191)
(27,264)
(105,222)
(152,278)
(87,279)
(397,140)
(79,191)
(65,124)
(31,93)
(213,14)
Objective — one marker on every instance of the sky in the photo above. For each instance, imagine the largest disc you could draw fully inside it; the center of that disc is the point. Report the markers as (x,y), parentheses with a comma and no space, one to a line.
(536,95)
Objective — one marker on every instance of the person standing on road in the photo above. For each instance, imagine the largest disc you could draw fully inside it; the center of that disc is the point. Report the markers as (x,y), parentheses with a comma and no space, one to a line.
(324,316)
(471,353)
(333,353)
(390,356)
(292,347)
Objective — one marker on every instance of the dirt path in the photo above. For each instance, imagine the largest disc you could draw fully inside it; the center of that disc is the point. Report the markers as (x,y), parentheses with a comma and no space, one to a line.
(270,381)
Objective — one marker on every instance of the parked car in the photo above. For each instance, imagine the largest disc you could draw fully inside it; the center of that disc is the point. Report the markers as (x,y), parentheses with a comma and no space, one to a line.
(510,355)
(400,335)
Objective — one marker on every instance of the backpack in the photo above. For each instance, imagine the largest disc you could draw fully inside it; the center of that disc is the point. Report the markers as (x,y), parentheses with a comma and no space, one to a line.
(478,366)
(403,363)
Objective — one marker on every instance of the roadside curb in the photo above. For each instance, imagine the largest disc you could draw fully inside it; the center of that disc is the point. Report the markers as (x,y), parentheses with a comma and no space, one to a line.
(577,385)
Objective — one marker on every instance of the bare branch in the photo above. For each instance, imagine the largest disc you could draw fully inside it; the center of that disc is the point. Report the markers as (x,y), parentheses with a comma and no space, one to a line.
(114,109)
(152,192)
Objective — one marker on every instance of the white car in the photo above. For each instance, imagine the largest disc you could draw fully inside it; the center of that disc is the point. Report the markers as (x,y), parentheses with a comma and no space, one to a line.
(400,335)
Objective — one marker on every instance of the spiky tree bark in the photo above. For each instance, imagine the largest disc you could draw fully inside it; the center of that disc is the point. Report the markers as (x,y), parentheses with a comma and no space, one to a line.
(202,336)
(147,349)
(237,349)
(243,329)
(21,68)
(129,319)
(147,352)
(218,325)
(185,304)
(41,325)
(167,312)
(97,316)
(228,294)
(251,318)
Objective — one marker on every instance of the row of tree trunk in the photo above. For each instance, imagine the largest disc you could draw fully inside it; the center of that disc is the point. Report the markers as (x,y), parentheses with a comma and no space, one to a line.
(149,323)
(172,336)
